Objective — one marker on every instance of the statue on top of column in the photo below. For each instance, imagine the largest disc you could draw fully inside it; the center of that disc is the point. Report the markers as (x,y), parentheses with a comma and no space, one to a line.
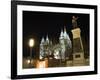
(74,21)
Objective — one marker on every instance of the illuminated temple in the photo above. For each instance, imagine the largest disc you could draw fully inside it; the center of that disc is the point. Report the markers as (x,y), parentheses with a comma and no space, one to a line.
(58,51)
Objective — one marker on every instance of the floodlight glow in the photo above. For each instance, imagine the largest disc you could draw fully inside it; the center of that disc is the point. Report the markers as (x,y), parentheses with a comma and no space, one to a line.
(28,61)
(31,42)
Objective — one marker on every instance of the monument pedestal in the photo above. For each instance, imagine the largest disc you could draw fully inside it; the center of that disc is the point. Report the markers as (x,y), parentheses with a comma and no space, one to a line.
(78,53)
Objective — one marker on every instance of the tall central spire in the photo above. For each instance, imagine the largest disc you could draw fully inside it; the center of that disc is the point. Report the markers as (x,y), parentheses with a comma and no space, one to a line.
(61,35)
(64,28)
(65,34)
(47,39)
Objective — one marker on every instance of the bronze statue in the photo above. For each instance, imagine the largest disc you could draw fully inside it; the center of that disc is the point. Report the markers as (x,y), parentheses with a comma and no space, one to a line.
(74,21)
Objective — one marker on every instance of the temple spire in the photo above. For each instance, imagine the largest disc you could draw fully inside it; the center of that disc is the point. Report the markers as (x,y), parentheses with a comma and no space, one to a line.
(61,34)
(42,41)
(65,33)
(64,28)
(47,39)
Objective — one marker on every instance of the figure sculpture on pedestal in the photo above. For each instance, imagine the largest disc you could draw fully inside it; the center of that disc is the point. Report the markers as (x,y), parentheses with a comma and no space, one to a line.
(74,21)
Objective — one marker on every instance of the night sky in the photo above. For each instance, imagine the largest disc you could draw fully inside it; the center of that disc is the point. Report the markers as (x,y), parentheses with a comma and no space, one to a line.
(39,24)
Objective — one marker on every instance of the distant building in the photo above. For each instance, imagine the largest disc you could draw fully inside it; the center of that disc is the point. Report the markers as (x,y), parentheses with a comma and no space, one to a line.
(58,51)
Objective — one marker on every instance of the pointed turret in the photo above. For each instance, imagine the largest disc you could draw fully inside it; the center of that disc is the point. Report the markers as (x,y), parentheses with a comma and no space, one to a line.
(42,40)
(61,35)
(47,39)
(42,48)
(66,36)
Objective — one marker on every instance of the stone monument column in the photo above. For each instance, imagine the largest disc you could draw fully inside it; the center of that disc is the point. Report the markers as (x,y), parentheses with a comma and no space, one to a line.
(78,52)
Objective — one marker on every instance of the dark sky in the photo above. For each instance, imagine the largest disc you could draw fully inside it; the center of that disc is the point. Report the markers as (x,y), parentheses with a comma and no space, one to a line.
(38,24)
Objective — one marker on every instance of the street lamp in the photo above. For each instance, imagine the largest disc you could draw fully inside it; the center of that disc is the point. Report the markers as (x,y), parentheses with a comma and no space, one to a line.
(28,61)
(31,44)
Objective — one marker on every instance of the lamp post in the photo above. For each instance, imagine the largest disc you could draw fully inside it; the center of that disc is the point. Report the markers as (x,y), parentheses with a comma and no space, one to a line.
(31,44)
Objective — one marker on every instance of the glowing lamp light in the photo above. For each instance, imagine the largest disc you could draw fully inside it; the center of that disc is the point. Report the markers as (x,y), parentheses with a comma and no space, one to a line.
(28,61)
(31,42)
(42,64)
